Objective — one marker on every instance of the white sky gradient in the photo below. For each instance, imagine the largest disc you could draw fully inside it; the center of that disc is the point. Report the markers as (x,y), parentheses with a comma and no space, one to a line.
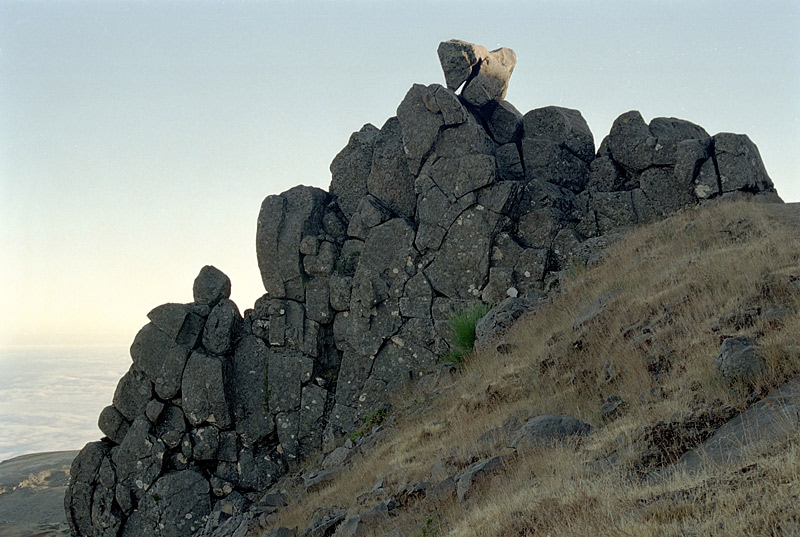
(138,139)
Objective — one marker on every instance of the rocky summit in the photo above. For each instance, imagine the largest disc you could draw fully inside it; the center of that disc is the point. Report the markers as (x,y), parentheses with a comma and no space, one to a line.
(458,199)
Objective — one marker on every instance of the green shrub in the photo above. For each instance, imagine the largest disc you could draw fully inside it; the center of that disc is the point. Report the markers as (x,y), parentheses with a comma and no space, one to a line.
(374,419)
(462,323)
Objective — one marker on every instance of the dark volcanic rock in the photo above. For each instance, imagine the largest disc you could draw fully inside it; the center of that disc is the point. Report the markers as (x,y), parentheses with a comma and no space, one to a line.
(457,200)
(211,286)
(203,391)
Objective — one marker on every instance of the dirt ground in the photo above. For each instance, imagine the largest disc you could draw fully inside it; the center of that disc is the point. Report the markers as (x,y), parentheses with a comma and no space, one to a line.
(32,494)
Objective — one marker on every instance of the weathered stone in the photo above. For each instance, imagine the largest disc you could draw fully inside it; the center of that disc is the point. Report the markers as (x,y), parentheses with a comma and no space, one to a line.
(171,426)
(133,392)
(203,391)
(417,296)
(287,373)
(362,524)
(500,318)
(322,262)
(138,461)
(739,164)
(630,142)
(371,212)
(205,443)
(259,469)
(453,112)
(461,266)
(605,175)
(390,179)
(340,291)
(311,422)
(503,120)
(175,506)
(468,138)
(315,480)
(549,162)
(246,377)
(106,516)
(564,127)
(351,167)
(178,322)
(547,428)
(491,81)
(318,300)
(476,475)
(666,191)
(538,228)
(283,221)
(221,327)
(706,184)
(337,458)
(738,361)
(160,359)
(459,176)
(420,120)
(211,286)
(509,162)
(82,483)
(228,446)
(458,59)
(113,424)
(153,410)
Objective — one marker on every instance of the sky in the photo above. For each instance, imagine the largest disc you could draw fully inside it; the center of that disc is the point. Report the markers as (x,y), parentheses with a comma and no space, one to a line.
(138,139)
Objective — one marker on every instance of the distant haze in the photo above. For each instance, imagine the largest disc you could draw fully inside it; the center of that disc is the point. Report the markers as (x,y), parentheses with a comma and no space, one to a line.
(137,140)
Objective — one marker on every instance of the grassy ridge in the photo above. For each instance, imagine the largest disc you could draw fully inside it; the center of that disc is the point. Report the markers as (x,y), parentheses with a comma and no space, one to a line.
(685,284)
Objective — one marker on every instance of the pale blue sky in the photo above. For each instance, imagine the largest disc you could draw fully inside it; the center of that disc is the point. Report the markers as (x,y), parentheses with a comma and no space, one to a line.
(138,139)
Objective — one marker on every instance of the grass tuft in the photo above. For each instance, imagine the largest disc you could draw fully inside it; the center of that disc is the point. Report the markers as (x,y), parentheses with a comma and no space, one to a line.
(462,324)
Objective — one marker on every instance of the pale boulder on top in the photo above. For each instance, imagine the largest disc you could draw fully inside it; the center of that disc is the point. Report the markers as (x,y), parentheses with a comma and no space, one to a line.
(485,74)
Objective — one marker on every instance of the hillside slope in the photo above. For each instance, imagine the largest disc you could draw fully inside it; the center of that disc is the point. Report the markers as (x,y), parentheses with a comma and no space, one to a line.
(680,288)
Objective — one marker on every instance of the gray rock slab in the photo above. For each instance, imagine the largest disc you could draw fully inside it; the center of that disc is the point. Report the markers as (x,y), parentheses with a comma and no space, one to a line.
(494,325)
(287,372)
(739,362)
(420,120)
(178,322)
(563,126)
(161,359)
(175,506)
(739,164)
(246,377)
(390,179)
(132,394)
(766,423)
(458,59)
(221,327)
(503,120)
(113,424)
(211,286)
(351,167)
(475,475)
(546,428)
(491,81)
(203,391)
(283,221)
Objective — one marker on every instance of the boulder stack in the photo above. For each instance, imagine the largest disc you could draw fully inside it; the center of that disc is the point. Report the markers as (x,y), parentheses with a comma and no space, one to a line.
(458,199)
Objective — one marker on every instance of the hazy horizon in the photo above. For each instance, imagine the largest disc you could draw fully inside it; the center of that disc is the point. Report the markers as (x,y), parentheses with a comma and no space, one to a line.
(139,139)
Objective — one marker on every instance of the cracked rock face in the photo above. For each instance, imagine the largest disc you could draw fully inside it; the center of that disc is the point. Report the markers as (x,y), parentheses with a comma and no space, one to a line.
(457,200)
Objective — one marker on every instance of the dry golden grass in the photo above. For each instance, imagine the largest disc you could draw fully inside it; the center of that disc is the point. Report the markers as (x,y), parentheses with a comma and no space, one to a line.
(685,284)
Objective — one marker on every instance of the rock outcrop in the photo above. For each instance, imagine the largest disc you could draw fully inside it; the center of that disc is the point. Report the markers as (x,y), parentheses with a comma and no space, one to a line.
(458,199)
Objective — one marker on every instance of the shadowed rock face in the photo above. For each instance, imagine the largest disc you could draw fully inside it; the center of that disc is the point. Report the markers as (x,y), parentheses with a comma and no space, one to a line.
(458,199)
